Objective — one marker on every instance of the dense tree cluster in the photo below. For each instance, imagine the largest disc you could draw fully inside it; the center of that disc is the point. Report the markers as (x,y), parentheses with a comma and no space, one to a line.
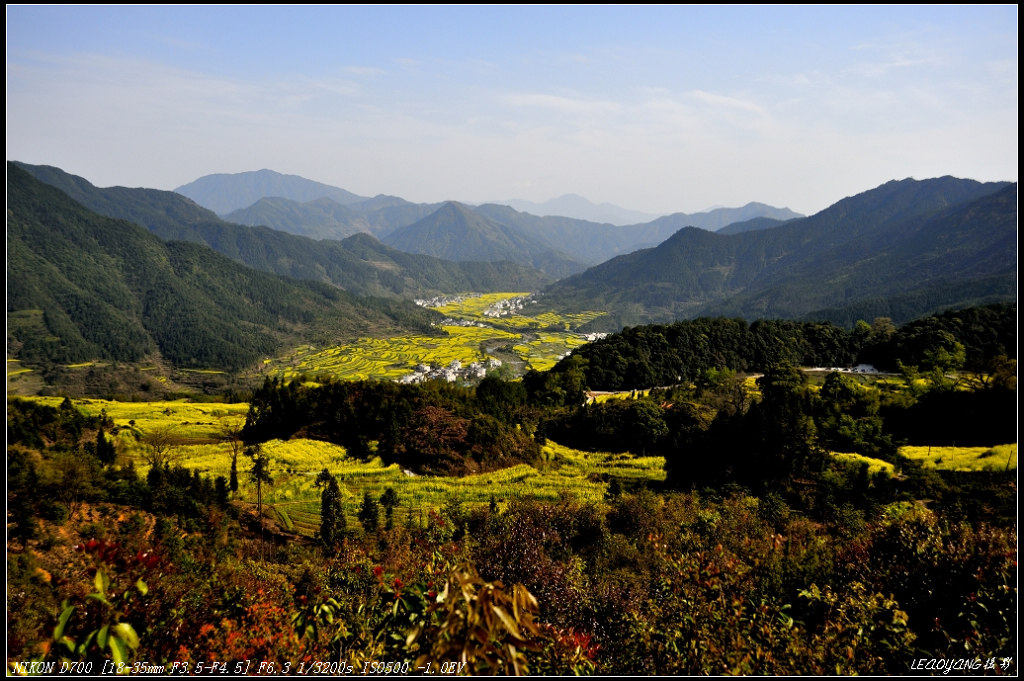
(435,427)
(663,355)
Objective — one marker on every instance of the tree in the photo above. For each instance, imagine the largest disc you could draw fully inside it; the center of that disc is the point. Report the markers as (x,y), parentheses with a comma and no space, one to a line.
(75,481)
(259,474)
(645,425)
(723,389)
(105,451)
(783,425)
(332,515)
(159,445)
(233,483)
(231,433)
(369,513)
(221,488)
(388,500)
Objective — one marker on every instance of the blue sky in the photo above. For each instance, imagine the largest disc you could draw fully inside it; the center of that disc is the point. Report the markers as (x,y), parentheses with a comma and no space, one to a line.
(659,109)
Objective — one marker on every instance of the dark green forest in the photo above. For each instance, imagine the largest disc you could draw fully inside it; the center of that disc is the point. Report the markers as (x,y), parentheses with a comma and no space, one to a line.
(84,287)
(667,354)
(359,264)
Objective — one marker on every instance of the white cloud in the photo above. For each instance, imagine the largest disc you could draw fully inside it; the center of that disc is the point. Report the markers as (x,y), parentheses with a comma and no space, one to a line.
(560,104)
(726,102)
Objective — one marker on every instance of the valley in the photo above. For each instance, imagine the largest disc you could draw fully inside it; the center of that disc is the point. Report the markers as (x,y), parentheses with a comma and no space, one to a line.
(512,340)
(481,333)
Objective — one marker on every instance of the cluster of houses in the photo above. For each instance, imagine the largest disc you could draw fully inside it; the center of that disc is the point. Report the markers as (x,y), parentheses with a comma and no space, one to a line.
(449,321)
(859,369)
(438,301)
(454,371)
(506,307)
(500,308)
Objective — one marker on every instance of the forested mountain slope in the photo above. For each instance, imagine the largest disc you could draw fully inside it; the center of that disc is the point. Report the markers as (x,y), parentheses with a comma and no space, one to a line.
(81,286)
(906,248)
(356,266)
(455,232)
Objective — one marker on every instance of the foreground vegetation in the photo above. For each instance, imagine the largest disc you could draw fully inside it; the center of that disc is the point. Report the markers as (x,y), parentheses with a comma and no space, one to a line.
(735,523)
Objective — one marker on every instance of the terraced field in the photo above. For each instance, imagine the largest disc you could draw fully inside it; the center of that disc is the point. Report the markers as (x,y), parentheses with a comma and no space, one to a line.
(190,422)
(511,311)
(198,431)
(875,466)
(564,473)
(15,368)
(293,497)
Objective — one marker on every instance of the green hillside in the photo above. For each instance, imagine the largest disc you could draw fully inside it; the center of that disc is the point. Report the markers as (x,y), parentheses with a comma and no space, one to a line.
(81,286)
(455,232)
(907,248)
(356,266)
(321,218)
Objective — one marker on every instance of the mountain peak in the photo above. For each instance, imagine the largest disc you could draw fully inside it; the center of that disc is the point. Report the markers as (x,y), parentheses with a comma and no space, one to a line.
(226,192)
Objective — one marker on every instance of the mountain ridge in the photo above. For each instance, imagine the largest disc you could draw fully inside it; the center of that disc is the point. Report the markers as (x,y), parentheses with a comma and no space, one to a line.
(456,232)
(82,286)
(394,273)
(798,268)
(225,192)
(305,210)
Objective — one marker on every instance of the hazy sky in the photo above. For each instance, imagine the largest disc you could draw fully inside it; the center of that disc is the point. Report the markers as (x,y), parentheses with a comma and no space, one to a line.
(659,109)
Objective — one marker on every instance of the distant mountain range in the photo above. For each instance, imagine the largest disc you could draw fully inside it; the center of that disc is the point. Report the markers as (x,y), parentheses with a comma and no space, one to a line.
(903,250)
(324,218)
(720,218)
(226,192)
(575,206)
(556,244)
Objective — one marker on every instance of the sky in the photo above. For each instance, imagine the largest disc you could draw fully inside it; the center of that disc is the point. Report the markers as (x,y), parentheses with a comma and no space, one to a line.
(652,108)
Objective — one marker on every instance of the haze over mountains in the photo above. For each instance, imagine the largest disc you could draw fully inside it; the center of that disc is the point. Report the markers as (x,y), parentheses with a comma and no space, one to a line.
(905,249)
(576,206)
(557,244)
